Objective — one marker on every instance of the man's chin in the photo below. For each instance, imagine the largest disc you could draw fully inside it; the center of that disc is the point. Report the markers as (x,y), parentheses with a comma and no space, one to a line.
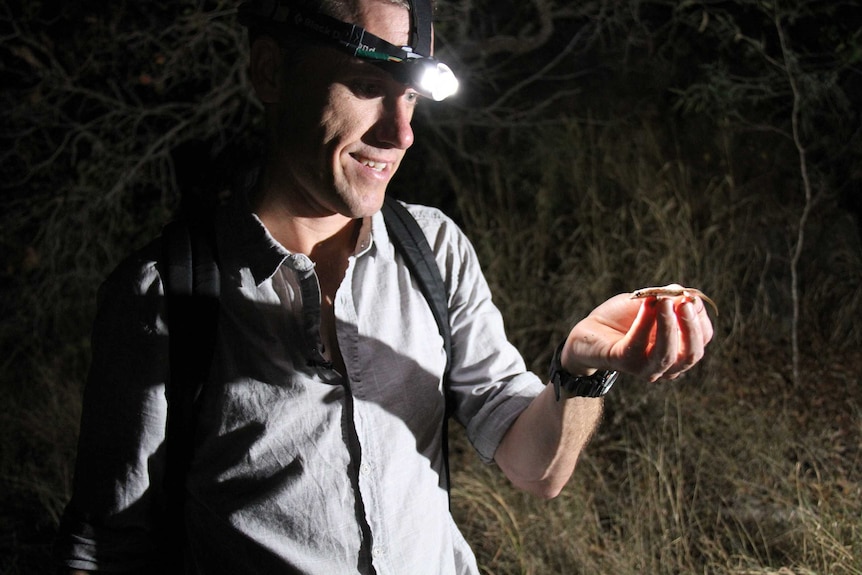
(364,204)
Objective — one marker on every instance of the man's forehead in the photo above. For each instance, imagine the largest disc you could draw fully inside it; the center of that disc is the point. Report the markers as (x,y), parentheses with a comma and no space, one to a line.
(386,19)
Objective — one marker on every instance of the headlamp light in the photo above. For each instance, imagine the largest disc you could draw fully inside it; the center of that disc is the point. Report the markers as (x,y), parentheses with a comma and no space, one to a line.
(407,64)
(434,79)
(431,78)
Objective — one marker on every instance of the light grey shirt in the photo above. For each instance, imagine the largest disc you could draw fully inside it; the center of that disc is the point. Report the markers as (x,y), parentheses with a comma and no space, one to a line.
(297,468)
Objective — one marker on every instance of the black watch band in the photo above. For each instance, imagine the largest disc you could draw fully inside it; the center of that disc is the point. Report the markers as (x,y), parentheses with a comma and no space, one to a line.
(595,385)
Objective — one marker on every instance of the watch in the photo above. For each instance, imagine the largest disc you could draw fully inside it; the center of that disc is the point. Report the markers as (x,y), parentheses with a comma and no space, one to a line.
(595,385)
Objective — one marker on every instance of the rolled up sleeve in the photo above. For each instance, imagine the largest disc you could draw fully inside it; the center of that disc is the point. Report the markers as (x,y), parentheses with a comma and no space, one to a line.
(489,382)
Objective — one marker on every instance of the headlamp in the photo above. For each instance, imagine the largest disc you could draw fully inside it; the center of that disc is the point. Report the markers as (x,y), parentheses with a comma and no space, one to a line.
(410,65)
(431,78)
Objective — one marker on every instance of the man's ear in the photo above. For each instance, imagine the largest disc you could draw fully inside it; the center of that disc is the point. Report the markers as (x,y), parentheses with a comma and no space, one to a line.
(266,69)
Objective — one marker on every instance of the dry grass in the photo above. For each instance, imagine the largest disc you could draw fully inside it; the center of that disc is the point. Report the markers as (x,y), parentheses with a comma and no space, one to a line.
(691,477)
(730,470)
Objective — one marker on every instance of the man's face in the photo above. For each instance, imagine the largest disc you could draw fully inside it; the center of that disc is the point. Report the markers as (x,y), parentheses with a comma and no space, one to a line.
(343,125)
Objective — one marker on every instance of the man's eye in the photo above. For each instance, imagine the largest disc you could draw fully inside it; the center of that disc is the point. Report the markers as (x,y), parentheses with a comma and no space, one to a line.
(366,89)
(412,96)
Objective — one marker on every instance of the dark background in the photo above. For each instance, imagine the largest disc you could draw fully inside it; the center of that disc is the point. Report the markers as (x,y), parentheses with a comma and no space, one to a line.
(595,147)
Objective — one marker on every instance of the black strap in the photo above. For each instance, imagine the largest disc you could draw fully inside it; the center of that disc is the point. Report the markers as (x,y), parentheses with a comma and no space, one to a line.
(191,278)
(420,11)
(413,246)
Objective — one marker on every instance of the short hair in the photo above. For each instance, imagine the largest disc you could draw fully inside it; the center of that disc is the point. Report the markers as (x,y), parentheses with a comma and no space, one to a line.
(293,44)
(344,10)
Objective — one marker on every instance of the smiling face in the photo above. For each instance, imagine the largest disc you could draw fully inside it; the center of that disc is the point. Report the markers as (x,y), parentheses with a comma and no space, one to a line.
(339,126)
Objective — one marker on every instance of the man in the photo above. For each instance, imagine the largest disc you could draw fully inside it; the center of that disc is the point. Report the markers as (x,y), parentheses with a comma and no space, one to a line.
(318,441)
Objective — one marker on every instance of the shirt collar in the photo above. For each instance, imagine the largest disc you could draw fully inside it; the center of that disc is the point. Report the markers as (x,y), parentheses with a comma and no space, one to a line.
(244,240)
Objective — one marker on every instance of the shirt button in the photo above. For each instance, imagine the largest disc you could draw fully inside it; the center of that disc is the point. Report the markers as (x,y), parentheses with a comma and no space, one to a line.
(378,551)
(301,262)
(365,470)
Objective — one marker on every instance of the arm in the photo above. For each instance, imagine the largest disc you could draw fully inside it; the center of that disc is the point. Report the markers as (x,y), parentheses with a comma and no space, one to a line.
(539,452)
(106,525)
(655,339)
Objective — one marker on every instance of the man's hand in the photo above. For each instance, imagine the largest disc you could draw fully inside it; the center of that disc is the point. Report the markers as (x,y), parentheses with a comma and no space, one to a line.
(654,338)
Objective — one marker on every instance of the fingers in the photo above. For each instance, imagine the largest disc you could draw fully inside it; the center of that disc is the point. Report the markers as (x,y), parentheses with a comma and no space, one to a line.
(640,333)
(691,348)
(674,342)
(662,359)
(654,338)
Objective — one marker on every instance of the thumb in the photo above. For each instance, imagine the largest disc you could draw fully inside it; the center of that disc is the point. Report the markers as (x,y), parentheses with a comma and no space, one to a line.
(640,334)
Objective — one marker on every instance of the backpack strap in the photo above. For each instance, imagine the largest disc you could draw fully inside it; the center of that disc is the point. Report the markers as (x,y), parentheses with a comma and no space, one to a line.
(411,243)
(191,285)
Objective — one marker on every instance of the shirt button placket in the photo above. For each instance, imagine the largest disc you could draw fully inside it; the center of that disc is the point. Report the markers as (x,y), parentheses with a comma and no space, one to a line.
(371,483)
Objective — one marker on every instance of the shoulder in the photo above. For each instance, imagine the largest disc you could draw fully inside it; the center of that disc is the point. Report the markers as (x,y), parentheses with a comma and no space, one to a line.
(456,257)
(440,229)
(138,274)
(130,302)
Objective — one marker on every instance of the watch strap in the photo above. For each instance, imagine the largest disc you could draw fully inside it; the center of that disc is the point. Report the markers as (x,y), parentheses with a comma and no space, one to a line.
(598,384)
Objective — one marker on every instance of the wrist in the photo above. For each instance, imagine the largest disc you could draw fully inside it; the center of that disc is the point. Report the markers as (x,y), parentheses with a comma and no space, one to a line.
(581,381)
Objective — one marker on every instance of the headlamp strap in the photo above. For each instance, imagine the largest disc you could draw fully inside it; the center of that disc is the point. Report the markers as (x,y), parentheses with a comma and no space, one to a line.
(348,35)
(421,12)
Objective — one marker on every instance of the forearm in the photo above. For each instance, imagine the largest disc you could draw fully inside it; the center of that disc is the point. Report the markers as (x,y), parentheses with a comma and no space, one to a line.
(539,452)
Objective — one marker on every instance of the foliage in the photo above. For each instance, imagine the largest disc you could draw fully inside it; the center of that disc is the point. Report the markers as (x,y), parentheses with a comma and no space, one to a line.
(596,147)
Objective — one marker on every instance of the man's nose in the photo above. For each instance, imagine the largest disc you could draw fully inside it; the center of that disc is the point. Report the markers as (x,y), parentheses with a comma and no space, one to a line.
(393,128)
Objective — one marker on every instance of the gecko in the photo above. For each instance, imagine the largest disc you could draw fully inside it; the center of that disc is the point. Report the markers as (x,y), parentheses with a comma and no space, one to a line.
(673,290)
